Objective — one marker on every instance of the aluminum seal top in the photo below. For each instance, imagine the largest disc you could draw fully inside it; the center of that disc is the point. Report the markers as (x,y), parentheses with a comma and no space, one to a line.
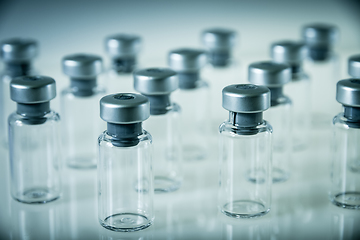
(348,92)
(124,108)
(354,66)
(320,34)
(32,89)
(246,98)
(18,50)
(187,59)
(155,81)
(218,38)
(82,65)
(290,52)
(123,45)
(270,74)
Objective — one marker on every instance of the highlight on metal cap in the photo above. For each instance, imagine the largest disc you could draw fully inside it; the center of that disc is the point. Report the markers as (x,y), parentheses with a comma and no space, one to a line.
(187,59)
(123,45)
(218,38)
(270,74)
(32,89)
(124,108)
(354,66)
(320,34)
(155,81)
(18,49)
(291,52)
(82,65)
(348,92)
(246,98)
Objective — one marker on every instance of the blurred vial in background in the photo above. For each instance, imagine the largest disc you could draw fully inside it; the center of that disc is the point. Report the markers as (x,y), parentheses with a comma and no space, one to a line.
(123,50)
(80,116)
(193,98)
(222,69)
(345,174)
(245,152)
(34,141)
(125,178)
(354,66)
(323,66)
(164,124)
(17,55)
(275,76)
(299,89)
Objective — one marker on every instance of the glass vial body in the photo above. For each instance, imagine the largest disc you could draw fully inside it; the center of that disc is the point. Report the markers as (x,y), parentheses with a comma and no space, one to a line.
(35,160)
(245,170)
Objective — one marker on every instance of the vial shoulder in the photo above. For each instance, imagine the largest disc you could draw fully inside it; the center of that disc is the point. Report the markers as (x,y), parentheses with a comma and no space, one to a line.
(227,128)
(107,139)
(340,121)
(283,101)
(18,119)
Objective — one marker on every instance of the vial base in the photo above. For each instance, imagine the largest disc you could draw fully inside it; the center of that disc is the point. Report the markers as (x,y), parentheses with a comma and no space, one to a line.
(244,209)
(126,222)
(279,175)
(349,200)
(193,153)
(37,196)
(165,184)
(82,162)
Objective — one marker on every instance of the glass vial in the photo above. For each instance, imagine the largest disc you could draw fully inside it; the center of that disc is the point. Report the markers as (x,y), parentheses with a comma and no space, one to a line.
(79,116)
(322,63)
(126,190)
(222,69)
(193,98)
(275,76)
(17,54)
(245,153)
(123,50)
(354,66)
(157,84)
(34,141)
(299,89)
(345,177)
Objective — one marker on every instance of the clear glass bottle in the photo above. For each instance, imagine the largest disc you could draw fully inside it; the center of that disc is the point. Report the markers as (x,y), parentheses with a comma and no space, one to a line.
(80,117)
(125,178)
(322,63)
(245,153)
(275,76)
(123,50)
(157,84)
(299,89)
(34,141)
(193,98)
(345,177)
(354,66)
(17,54)
(222,69)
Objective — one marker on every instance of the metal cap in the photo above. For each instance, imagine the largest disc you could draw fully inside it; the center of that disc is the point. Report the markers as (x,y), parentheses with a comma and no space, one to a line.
(246,98)
(82,65)
(320,34)
(32,89)
(124,108)
(290,52)
(18,50)
(155,81)
(348,92)
(218,38)
(270,74)
(187,59)
(123,45)
(354,66)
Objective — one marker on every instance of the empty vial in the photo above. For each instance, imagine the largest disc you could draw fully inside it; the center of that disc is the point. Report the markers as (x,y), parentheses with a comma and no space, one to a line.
(123,50)
(17,55)
(345,177)
(34,141)
(79,116)
(322,63)
(193,98)
(354,66)
(299,89)
(157,84)
(245,152)
(275,76)
(125,179)
(223,69)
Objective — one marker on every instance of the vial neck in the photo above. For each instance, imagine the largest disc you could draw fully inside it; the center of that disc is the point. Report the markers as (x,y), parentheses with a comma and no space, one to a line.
(159,104)
(296,69)
(352,113)
(124,64)
(34,113)
(319,53)
(276,94)
(124,135)
(187,80)
(220,58)
(18,69)
(83,87)
(246,119)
